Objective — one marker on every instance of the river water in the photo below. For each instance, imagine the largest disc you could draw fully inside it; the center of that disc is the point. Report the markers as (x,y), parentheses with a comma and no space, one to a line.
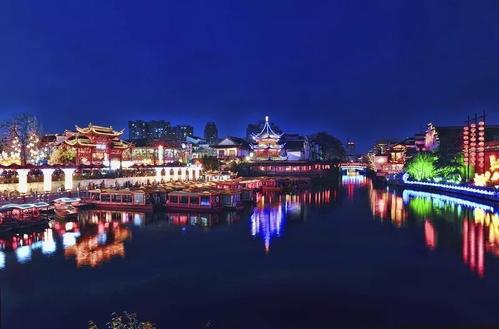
(344,256)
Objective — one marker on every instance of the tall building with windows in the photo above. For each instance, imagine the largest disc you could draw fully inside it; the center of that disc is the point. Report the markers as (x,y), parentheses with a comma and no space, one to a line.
(350,148)
(137,129)
(211,133)
(158,128)
(140,129)
(182,131)
(155,129)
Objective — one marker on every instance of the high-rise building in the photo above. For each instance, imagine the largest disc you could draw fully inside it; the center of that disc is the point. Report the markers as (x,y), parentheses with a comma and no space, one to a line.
(182,131)
(211,133)
(350,148)
(137,129)
(158,128)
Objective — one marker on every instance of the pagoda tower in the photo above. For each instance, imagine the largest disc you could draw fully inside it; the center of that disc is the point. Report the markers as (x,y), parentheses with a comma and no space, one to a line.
(267,146)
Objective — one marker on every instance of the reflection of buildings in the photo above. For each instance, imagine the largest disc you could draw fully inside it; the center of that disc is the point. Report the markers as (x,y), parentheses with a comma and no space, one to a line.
(386,205)
(24,244)
(473,246)
(267,222)
(94,250)
(98,236)
(199,219)
(273,210)
(479,228)
(351,183)
(430,235)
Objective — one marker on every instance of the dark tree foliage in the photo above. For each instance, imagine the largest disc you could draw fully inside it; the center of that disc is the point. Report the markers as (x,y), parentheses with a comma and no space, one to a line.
(210,163)
(332,147)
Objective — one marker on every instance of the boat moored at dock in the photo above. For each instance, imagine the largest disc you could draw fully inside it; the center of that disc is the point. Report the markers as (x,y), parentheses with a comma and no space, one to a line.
(140,199)
(194,201)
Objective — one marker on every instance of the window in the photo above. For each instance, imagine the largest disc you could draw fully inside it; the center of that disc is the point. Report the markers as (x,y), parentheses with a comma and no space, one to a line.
(105,197)
(139,198)
(184,199)
(205,200)
(116,198)
(194,200)
(173,199)
(127,198)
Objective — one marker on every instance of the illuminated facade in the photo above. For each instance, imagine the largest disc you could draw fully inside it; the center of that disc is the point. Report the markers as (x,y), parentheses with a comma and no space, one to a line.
(97,145)
(231,148)
(267,144)
(160,151)
(289,168)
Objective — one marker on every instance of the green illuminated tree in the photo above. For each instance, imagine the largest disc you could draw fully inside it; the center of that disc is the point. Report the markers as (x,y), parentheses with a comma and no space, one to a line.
(421,167)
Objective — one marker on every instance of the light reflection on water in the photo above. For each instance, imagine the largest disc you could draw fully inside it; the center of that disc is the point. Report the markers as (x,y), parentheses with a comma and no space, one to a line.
(100,236)
(477,224)
(272,210)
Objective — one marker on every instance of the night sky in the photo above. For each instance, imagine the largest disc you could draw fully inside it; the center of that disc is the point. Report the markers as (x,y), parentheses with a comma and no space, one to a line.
(360,69)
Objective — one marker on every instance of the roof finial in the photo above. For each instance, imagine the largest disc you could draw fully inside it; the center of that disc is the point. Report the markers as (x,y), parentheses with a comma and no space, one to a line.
(266,118)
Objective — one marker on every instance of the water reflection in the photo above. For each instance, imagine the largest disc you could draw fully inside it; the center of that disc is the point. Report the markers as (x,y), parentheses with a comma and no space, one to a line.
(351,183)
(204,220)
(388,206)
(24,243)
(99,244)
(474,225)
(273,210)
(96,236)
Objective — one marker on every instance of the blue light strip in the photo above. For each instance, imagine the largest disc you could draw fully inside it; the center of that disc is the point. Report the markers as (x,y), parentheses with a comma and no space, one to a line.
(472,190)
(407,194)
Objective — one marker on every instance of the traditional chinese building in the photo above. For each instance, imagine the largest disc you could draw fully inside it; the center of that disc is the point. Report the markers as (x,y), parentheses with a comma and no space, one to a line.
(160,151)
(97,145)
(231,148)
(267,144)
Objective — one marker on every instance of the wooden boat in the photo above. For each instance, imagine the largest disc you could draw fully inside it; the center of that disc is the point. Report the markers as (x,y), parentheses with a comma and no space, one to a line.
(124,199)
(66,208)
(270,185)
(23,211)
(204,201)
(248,195)
(75,202)
(231,199)
(7,225)
(19,216)
(44,207)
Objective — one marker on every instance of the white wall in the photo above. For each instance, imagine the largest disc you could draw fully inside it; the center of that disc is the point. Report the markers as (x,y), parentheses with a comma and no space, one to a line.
(179,173)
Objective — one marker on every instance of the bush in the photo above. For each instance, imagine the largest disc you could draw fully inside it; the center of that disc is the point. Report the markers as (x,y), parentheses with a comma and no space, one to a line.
(124,321)
(421,167)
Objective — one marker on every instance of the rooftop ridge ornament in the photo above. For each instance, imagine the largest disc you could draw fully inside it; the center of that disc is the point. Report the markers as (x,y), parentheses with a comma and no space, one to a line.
(267,131)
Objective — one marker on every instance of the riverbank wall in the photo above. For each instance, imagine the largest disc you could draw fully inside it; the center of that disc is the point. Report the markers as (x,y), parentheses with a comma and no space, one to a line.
(473,192)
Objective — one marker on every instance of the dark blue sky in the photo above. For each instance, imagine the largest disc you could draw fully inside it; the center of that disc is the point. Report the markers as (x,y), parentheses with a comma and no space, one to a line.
(363,69)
